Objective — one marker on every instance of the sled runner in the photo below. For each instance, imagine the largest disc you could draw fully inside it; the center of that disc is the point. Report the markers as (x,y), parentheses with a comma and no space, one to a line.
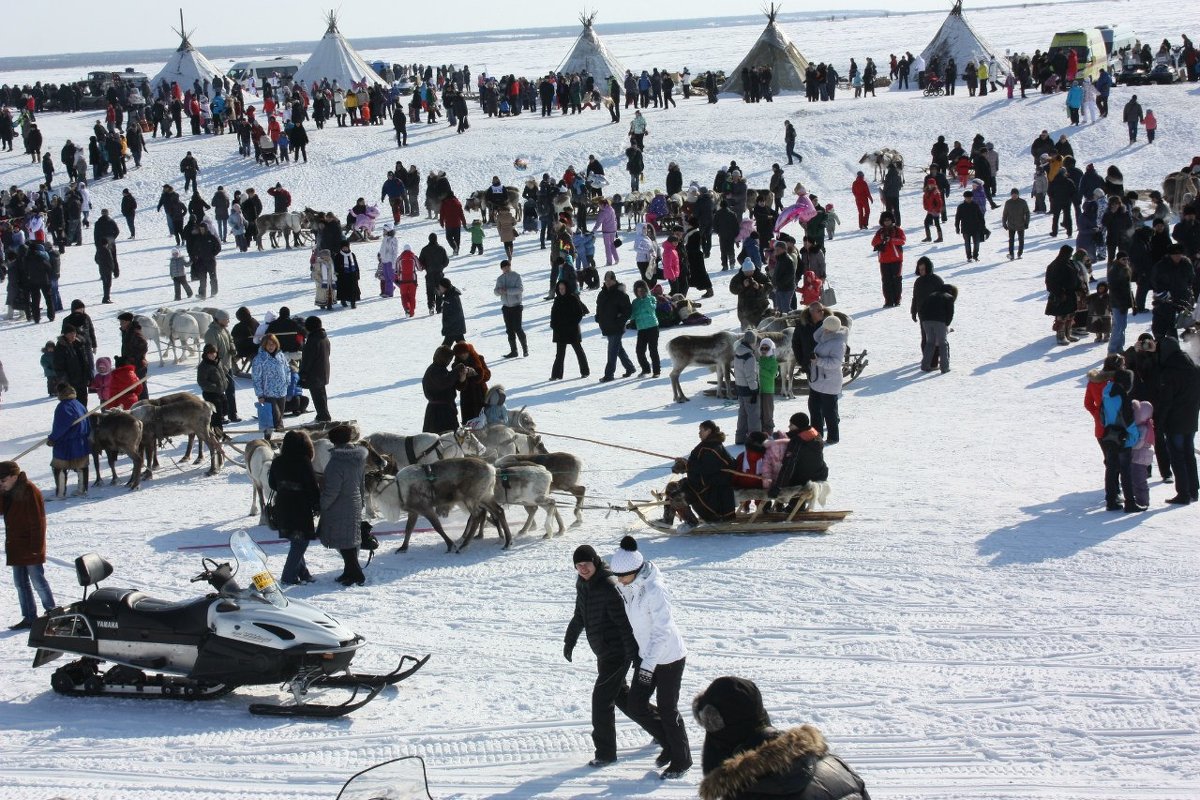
(757,520)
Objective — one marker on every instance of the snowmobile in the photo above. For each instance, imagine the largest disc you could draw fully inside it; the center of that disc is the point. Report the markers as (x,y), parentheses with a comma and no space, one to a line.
(206,647)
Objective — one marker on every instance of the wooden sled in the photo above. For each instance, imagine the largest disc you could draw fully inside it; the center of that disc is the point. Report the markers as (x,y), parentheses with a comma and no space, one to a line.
(755,521)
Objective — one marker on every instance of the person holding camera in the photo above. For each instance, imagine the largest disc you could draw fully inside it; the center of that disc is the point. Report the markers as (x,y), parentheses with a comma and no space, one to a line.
(889,244)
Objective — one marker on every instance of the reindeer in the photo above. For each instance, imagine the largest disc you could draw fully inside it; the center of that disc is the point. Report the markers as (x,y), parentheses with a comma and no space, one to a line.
(175,415)
(881,159)
(714,350)
(115,431)
(432,490)
(181,325)
(477,201)
(525,485)
(502,440)
(426,448)
(289,223)
(565,470)
(259,455)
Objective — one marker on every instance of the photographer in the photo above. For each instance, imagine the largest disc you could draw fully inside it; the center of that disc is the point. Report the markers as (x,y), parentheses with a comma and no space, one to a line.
(889,244)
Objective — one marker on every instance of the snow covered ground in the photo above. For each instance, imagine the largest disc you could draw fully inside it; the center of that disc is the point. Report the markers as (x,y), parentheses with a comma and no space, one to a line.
(978,628)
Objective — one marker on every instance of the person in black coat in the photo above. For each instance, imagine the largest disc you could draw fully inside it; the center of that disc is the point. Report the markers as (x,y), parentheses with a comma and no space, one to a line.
(73,362)
(968,221)
(433,260)
(1062,191)
(1062,286)
(297,500)
(203,248)
(745,758)
(438,384)
(600,612)
(83,324)
(804,459)
(707,488)
(566,312)
(1172,278)
(287,330)
(613,308)
(727,225)
(314,366)
(1179,395)
(454,321)
(345,266)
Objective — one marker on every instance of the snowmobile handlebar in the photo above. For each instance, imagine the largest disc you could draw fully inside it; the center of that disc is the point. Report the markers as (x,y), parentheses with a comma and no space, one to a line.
(216,575)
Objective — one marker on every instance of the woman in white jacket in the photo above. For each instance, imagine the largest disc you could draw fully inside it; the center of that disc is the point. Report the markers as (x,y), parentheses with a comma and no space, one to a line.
(661,657)
(647,253)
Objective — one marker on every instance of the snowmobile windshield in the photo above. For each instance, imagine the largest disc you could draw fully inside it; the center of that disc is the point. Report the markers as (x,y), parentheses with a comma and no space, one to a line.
(253,560)
(399,779)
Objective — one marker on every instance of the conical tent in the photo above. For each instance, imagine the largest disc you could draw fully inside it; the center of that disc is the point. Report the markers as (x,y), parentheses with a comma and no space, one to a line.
(775,50)
(334,59)
(186,65)
(590,55)
(958,40)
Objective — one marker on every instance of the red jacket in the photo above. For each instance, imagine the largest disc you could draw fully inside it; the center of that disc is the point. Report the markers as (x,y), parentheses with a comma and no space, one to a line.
(123,378)
(933,201)
(893,251)
(408,267)
(1093,397)
(862,192)
(451,213)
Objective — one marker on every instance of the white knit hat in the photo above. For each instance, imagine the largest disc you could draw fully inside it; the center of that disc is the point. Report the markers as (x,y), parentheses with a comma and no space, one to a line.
(626,560)
(832,324)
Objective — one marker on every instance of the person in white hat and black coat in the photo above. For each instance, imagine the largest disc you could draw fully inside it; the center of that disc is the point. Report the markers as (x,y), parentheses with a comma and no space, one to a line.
(662,656)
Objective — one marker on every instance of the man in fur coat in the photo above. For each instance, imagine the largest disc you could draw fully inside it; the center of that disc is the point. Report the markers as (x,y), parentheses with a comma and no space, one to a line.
(744,757)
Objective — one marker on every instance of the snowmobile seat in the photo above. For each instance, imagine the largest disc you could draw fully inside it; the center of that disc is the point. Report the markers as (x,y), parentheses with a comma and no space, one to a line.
(106,602)
(187,617)
(90,569)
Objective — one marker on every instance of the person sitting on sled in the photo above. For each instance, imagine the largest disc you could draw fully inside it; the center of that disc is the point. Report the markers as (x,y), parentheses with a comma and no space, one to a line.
(706,490)
(804,458)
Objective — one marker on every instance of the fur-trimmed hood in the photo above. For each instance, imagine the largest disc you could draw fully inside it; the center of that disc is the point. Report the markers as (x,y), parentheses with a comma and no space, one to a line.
(1100,375)
(779,756)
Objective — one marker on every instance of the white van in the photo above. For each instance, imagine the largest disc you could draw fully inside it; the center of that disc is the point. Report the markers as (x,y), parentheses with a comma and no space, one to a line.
(261,70)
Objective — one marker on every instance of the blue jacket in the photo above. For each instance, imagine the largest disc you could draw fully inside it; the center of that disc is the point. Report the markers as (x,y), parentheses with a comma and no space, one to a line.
(1110,413)
(70,441)
(1075,96)
(1104,84)
(270,374)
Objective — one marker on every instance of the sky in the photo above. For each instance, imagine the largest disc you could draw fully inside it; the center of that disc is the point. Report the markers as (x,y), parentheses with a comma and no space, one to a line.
(141,25)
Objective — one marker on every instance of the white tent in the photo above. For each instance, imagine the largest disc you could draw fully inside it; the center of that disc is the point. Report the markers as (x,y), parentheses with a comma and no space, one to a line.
(336,60)
(186,65)
(958,40)
(590,55)
(775,50)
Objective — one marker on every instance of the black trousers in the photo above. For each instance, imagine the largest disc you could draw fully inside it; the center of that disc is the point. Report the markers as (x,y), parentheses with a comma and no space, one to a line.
(610,692)
(320,402)
(106,282)
(1019,237)
(823,413)
(512,327)
(560,353)
(1064,209)
(454,238)
(893,283)
(664,722)
(647,339)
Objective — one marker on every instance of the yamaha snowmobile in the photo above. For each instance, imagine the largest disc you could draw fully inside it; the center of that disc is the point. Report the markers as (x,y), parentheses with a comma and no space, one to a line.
(205,648)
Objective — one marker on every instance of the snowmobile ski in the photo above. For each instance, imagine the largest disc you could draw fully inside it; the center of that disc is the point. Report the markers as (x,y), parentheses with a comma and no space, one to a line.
(320,710)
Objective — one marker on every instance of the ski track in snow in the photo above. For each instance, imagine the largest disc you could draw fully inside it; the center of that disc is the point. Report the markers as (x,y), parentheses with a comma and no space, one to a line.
(978,628)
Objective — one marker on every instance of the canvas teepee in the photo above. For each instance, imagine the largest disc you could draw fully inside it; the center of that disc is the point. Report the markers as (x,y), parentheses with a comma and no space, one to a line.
(958,40)
(775,50)
(186,65)
(590,55)
(335,59)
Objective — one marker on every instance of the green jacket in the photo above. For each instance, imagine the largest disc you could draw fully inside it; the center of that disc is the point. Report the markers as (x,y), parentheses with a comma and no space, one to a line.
(768,371)
(642,313)
(476,234)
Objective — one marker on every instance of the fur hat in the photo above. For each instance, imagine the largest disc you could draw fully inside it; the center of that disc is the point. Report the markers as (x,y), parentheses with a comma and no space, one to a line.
(1098,193)
(221,316)
(800,420)
(626,560)
(76,305)
(312,324)
(584,554)
(732,705)
(66,391)
(8,469)
(768,346)
(832,324)
(125,316)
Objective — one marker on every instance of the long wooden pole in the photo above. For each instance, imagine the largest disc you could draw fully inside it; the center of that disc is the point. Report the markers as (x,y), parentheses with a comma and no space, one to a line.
(95,411)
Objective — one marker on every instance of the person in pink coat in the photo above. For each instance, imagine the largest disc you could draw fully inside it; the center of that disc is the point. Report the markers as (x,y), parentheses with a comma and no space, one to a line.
(670,263)
(606,225)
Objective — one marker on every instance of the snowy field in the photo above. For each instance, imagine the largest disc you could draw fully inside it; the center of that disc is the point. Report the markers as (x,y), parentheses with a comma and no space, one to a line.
(978,628)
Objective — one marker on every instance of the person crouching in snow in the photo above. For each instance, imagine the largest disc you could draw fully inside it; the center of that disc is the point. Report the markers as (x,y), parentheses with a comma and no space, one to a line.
(745,757)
